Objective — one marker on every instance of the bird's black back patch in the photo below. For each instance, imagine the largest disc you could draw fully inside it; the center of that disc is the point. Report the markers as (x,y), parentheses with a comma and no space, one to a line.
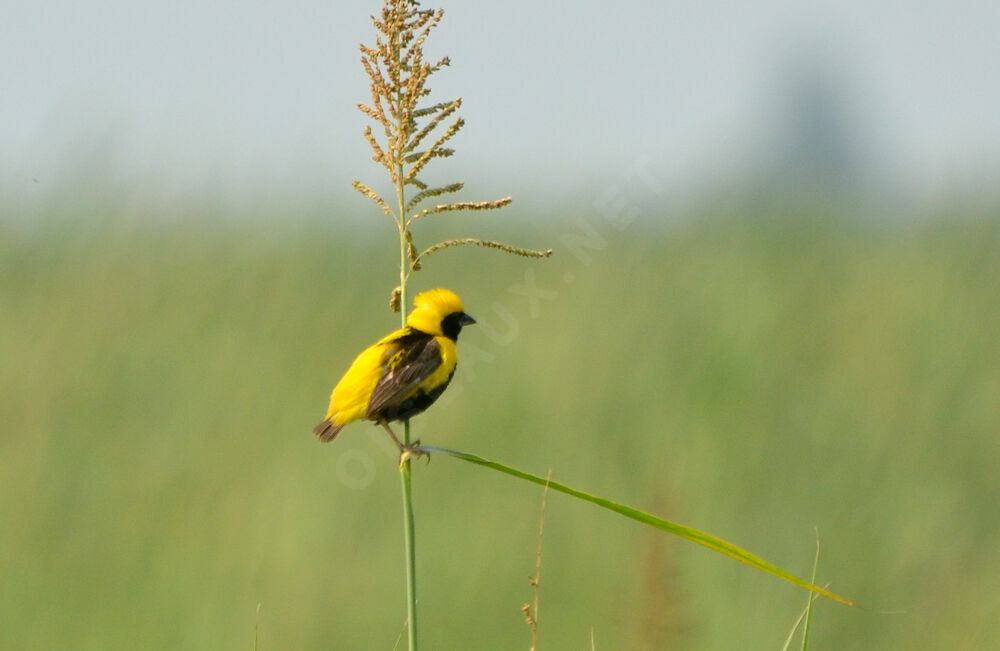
(393,398)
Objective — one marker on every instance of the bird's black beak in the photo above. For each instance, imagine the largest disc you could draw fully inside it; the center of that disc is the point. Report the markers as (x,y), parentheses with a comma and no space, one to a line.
(466,319)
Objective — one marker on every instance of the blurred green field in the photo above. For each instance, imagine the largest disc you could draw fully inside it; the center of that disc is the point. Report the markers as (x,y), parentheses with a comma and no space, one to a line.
(753,376)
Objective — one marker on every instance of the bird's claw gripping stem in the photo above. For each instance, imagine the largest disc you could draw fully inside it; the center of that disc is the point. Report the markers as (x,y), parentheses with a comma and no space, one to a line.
(412,450)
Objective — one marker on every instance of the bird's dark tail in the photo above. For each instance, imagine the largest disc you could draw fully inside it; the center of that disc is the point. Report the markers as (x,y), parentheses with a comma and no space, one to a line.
(327,431)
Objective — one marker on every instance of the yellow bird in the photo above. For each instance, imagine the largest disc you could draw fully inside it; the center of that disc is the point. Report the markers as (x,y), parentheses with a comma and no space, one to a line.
(403,373)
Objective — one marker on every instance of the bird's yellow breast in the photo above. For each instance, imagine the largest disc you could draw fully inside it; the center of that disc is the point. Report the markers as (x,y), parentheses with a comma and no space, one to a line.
(449,360)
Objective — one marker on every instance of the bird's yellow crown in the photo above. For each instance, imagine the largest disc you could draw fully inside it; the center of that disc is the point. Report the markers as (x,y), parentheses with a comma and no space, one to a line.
(431,307)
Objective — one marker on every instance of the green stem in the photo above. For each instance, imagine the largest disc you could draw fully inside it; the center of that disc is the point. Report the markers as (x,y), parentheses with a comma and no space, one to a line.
(404,468)
(805,631)
(409,533)
(404,477)
(408,520)
(411,555)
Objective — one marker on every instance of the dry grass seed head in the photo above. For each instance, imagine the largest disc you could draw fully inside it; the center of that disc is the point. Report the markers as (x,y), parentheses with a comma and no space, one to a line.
(399,75)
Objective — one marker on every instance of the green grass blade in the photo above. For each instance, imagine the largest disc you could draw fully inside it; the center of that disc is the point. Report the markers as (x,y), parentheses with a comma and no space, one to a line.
(700,537)
(798,622)
(805,630)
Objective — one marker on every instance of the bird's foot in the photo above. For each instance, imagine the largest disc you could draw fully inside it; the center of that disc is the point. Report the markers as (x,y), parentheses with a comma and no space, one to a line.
(413,450)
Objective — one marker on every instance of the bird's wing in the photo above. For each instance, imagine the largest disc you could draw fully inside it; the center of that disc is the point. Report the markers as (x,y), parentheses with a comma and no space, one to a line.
(400,377)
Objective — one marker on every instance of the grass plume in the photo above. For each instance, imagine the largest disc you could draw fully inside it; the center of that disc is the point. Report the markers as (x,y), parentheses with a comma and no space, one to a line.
(399,74)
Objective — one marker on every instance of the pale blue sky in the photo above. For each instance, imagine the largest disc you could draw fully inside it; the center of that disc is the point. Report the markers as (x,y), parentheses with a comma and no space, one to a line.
(258,97)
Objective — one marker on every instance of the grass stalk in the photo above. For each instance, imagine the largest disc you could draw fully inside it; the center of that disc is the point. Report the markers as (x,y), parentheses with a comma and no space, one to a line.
(411,553)
(809,604)
(409,528)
